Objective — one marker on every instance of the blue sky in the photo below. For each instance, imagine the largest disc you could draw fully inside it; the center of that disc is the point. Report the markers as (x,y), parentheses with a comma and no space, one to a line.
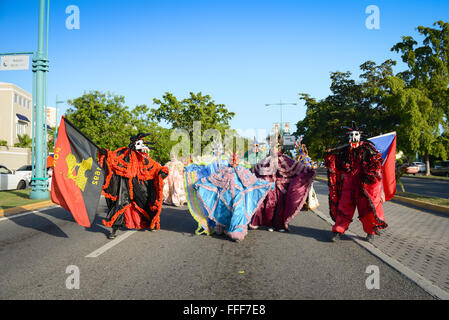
(243,53)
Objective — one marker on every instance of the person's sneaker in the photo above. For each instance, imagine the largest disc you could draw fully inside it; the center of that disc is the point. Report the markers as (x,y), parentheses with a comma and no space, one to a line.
(281,230)
(336,236)
(370,237)
(236,240)
(270,229)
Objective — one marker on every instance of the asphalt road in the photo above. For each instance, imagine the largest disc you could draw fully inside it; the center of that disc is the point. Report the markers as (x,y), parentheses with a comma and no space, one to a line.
(426,186)
(38,252)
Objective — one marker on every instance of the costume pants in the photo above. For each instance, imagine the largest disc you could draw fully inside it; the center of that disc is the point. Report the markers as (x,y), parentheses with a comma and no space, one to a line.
(353,197)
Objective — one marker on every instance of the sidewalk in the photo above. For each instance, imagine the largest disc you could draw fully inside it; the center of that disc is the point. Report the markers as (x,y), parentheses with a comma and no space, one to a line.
(415,237)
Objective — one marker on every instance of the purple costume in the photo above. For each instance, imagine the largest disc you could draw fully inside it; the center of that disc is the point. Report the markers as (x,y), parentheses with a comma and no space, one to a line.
(293,181)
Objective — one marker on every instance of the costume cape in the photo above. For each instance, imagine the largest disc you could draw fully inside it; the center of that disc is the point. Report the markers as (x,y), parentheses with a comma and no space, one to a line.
(293,181)
(174,191)
(133,188)
(230,196)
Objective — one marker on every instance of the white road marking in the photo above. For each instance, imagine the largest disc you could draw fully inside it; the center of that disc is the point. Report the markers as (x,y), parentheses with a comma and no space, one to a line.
(26,213)
(422,282)
(110,244)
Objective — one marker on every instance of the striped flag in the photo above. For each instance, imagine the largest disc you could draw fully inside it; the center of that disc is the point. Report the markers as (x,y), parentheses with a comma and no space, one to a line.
(386,144)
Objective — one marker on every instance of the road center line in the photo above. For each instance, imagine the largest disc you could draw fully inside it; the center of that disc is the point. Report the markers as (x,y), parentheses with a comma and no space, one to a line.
(110,244)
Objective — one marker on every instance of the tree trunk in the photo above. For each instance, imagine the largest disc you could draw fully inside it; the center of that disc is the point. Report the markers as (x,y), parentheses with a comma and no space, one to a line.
(427,159)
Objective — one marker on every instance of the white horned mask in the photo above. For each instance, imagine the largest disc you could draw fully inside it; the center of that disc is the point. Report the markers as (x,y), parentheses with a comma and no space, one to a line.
(140,146)
(355,135)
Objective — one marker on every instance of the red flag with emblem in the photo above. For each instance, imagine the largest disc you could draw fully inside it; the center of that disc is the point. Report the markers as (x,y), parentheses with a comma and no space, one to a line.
(77,176)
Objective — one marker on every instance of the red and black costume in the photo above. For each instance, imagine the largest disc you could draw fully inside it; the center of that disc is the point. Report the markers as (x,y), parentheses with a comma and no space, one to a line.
(355,181)
(133,187)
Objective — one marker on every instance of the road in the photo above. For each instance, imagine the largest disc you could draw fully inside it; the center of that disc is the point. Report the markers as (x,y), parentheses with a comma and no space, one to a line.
(39,252)
(424,186)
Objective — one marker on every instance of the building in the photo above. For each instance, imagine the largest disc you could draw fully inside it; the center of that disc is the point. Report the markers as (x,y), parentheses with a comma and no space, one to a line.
(16,112)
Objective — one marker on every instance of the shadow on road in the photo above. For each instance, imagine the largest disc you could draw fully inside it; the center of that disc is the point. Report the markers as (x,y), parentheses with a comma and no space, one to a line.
(177,220)
(317,234)
(41,224)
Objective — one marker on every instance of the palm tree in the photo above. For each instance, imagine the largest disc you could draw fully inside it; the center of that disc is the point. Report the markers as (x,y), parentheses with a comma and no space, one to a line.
(24,141)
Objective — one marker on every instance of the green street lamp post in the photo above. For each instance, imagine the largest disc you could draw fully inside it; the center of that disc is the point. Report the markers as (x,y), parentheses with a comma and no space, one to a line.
(39,181)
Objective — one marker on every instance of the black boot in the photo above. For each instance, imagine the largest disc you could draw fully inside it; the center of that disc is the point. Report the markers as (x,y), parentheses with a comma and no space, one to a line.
(336,237)
(112,235)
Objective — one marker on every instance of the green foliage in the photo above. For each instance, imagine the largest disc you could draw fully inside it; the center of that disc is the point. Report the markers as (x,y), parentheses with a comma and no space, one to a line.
(197,107)
(24,141)
(106,120)
(103,118)
(3,143)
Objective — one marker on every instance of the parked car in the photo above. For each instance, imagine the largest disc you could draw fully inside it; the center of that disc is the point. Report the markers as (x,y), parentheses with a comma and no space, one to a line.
(421,166)
(10,180)
(411,169)
(441,168)
(26,172)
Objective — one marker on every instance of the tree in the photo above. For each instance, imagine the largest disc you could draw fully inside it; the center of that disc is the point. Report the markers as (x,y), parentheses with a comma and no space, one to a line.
(109,123)
(183,115)
(427,93)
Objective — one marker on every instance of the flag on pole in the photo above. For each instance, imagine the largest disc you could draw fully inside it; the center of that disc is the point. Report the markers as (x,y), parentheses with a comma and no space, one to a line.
(386,144)
(77,178)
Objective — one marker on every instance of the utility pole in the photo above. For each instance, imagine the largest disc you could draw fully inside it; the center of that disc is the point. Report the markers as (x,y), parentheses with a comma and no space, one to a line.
(281,104)
(39,180)
(56,121)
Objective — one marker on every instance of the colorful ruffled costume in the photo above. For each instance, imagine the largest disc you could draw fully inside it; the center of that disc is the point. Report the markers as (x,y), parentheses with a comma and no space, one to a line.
(293,181)
(174,191)
(303,157)
(230,196)
(200,167)
(133,187)
(355,181)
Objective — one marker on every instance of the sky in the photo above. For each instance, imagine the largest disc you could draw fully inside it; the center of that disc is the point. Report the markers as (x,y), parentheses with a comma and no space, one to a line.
(243,53)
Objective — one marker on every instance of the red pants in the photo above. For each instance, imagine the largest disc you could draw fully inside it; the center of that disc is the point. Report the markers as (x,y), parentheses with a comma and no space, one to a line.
(353,197)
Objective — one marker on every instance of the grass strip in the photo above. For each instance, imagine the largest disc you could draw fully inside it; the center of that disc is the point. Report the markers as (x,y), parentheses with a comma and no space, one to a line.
(16,198)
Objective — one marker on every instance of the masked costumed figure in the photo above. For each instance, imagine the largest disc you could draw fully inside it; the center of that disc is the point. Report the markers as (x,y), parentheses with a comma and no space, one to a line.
(293,182)
(174,191)
(201,167)
(230,196)
(355,181)
(133,187)
(302,156)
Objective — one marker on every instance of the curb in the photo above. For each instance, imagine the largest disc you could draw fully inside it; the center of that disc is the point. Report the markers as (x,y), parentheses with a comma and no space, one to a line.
(420,204)
(28,207)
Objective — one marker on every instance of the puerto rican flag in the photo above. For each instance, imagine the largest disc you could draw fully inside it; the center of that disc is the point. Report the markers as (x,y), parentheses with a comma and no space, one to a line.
(386,144)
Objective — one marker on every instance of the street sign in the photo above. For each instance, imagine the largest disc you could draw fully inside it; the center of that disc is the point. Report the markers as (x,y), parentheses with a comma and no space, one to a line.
(289,140)
(15,62)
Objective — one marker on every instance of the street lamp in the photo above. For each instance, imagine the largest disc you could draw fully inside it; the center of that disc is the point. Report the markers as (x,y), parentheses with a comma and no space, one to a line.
(280,104)
(39,181)
(56,120)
